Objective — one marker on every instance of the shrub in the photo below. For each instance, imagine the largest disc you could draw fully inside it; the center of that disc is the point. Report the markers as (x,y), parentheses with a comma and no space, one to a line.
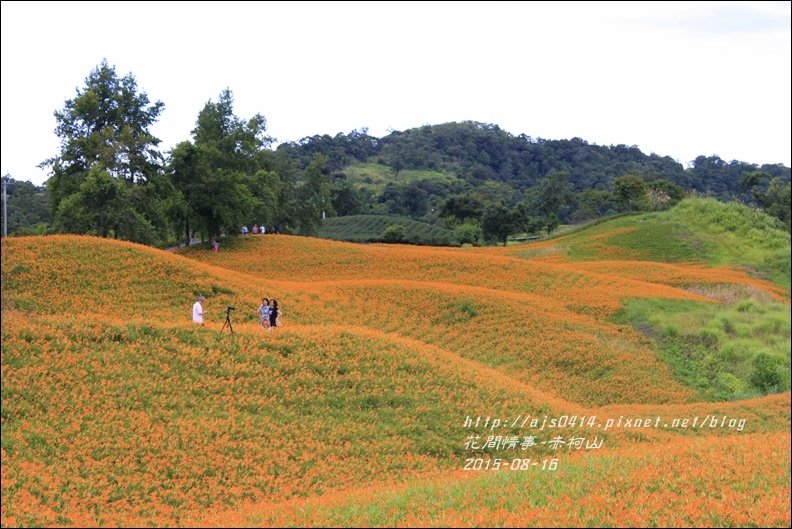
(747,305)
(728,384)
(395,233)
(765,375)
(469,233)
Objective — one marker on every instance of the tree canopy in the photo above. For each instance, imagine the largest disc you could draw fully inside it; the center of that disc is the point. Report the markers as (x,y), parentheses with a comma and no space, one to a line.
(104,130)
(110,179)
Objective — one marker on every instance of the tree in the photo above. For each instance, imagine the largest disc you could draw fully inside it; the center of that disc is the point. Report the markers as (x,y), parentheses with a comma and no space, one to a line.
(213,174)
(186,170)
(397,164)
(498,222)
(593,204)
(469,232)
(551,222)
(346,199)
(223,202)
(774,199)
(231,142)
(102,205)
(554,194)
(415,200)
(545,204)
(313,197)
(528,221)
(405,199)
(750,179)
(269,189)
(105,127)
(630,191)
(460,208)
(28,207)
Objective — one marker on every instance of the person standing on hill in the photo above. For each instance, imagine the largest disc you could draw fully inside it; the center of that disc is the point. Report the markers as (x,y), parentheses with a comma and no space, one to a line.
(264,310)
(274,314)
(198,311)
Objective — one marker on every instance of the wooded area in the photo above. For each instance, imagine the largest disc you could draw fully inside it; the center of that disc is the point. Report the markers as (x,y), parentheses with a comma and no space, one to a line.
(110,178)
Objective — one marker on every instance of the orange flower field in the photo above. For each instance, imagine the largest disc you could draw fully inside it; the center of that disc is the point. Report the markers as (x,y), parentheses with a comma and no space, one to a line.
(407,386)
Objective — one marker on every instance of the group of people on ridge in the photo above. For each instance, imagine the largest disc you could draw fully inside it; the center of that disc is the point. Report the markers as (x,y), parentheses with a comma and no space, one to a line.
(257,229)
(269,313)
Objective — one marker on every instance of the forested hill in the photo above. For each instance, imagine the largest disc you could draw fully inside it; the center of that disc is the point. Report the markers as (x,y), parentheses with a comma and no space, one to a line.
(479,152)
(110,180)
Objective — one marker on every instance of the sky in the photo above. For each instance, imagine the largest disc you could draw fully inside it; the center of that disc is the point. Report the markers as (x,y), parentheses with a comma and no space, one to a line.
(678,79)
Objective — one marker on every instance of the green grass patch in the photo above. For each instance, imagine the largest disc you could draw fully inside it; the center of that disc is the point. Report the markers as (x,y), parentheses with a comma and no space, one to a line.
(735,234)
(697,229)
(374,177)
(630,237)
(725,352)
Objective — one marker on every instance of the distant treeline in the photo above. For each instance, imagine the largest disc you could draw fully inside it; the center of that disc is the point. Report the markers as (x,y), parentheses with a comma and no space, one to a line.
(479,152)
(455,171)
(473,179)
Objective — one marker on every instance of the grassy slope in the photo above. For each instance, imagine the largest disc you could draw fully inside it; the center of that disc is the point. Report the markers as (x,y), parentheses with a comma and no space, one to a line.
(375,177)
(696,230)
(720,349)
(385,351)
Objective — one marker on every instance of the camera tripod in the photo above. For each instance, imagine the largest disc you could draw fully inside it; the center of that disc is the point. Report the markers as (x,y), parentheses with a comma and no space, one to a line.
(227,322)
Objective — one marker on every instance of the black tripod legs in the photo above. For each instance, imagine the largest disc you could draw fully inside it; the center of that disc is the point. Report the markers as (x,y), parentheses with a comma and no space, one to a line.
(227,322)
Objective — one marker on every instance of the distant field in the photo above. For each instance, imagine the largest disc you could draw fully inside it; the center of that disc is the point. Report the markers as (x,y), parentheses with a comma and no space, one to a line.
(370,228)
(375,177)
(633,373)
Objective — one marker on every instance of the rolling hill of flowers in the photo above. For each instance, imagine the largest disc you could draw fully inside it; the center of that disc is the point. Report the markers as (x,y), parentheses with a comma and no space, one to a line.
(407,386)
